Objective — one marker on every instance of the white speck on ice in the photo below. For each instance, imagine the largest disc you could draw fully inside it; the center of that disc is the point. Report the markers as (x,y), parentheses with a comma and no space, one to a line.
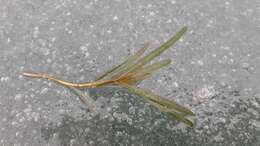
(176,84)
(109,31)
(36,32)
(115,18)
(159,81)
(48,60)
(4,79)
(61,111)
(45,51)
(222,120)
(44,90)
(4,120)
(18,96)
(14,123)
(17,134)
(173,2)
(122,117)
(205,93)
(110,57)
(22,119)
(72,141)
(230,53)
(84,50)
(169,21)
(218,138)
(255,104)
(86,54)
(225,47)
(210,22)
(231,60)
(69,31)
(227,3)
(152,13)
(245,65)
(255,124)
(53,39)
(35,116)
(8,40)
(220,61)
(200,62)
(254,112)
(27,110)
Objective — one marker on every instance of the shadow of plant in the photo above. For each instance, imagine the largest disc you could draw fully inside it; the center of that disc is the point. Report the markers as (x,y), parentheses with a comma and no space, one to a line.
(132,122)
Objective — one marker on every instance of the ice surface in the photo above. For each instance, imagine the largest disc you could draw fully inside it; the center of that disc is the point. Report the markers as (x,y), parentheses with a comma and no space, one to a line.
(215,71)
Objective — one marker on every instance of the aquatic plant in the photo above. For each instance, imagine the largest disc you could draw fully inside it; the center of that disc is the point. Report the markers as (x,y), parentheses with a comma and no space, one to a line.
(128,75)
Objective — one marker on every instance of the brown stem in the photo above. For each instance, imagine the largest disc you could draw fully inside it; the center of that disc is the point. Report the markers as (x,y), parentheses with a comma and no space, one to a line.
(66,83)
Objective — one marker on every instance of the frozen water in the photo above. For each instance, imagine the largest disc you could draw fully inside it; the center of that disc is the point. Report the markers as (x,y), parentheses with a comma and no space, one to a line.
(215,71)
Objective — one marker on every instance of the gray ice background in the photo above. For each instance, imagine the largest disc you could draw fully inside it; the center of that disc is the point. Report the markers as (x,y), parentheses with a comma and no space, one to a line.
(215,71)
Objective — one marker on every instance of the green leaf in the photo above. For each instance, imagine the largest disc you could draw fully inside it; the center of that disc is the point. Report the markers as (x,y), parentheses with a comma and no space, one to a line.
(133,64)
(158,99)
(125,65)
(171,112)
(151,68)
(180,118)
(158,51)
(145,72)
(163,104)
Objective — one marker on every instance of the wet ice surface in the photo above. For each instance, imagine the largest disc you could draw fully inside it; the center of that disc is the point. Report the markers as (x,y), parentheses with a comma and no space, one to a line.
(215,71)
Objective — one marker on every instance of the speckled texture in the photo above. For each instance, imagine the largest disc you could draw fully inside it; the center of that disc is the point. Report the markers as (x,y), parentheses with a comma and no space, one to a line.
(215,71)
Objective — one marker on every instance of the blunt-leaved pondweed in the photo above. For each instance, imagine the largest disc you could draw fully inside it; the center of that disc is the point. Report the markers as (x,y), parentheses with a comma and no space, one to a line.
(128,75)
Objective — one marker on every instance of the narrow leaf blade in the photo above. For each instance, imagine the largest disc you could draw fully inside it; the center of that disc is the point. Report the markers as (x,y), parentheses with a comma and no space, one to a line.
(145,72)
(123,66)
(158,51)
(156,98)
(180,118)
(157,104)
(152,68)
(160,103)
